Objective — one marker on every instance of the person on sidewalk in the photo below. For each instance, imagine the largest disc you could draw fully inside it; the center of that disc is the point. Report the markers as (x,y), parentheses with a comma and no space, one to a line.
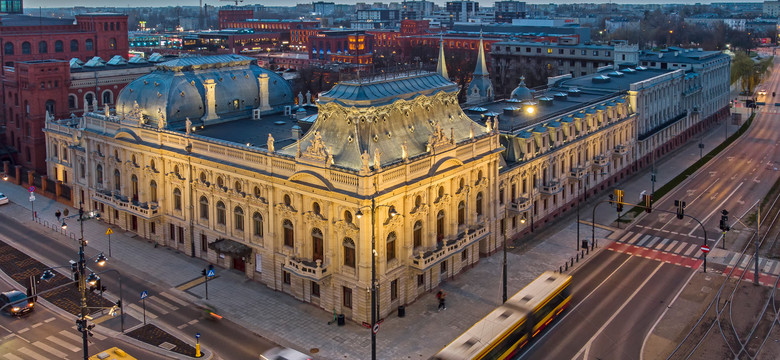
(58,214)
(440,295)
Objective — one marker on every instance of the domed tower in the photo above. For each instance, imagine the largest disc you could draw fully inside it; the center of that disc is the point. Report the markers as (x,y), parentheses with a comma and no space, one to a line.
(521,92)
(480,89)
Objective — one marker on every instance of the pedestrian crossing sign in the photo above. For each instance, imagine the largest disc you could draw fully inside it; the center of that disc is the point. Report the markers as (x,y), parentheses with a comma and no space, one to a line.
(211,273)
(109,231)
(144,294)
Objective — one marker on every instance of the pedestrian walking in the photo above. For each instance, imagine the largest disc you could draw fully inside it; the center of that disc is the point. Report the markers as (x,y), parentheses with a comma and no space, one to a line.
(58,214)
(441,295)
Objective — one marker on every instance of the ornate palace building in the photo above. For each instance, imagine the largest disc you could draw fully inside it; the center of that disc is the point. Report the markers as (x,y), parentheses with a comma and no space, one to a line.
(209,156)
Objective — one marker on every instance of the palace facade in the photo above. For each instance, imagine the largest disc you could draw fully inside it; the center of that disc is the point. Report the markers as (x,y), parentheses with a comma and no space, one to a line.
(209,156)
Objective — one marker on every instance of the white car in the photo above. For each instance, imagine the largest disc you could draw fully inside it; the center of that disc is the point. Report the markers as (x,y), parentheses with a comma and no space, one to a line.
(282,353)
(3,199)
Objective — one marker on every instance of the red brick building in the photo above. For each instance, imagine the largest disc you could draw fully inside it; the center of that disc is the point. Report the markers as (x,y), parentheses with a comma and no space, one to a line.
(296,32)
(342,46)
(36,74)
(232,15)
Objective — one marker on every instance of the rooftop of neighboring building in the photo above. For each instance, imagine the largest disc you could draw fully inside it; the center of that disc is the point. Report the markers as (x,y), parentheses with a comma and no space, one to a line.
(8,20)
(255,132)
(680,55)
(612,80)
(553,45)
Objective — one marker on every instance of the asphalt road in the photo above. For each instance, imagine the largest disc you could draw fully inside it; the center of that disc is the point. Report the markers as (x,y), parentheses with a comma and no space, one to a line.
(227,339)
(44,334)
(618,297)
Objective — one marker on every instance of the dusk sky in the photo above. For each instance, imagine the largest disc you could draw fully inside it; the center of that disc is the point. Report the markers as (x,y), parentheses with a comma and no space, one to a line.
(30,4)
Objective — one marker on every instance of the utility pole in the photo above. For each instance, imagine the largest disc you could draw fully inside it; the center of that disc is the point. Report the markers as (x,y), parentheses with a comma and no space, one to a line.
(758,229)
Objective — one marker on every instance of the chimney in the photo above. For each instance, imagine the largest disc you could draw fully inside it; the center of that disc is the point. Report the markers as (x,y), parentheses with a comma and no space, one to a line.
(210,112)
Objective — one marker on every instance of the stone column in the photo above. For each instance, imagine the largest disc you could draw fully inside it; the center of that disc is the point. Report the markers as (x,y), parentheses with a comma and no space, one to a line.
(210,112)
(263,93)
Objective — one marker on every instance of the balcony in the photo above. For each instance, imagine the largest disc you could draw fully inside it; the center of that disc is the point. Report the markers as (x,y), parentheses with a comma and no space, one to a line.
(577,173)
(312,270)
(600,161)
(146,210)
(551,188)
(425,260)
(620,150)
(519,205)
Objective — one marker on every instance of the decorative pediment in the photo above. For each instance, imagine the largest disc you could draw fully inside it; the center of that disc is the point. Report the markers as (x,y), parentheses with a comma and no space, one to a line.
(443,200)
(419,211)
(394,222)
(317,151)
(439,140)
(312,218)
(346,229)
(285,210)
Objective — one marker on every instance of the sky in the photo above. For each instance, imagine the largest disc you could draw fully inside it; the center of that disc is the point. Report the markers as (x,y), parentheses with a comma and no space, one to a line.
(30,4)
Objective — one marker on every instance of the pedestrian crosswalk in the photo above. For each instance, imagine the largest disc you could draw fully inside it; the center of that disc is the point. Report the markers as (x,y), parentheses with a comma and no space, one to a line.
(765,265)
(158,305)
(65,344)
(660,244)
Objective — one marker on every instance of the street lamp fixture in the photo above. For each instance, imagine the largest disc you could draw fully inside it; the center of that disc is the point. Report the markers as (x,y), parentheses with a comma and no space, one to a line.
(47,275)
(522,220)
(64,226)
(5,177)
(101,260)
(92,279)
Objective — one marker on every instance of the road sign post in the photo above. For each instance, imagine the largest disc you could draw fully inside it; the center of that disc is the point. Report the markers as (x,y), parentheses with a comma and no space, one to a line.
(144,295)
(197,345)
(109,232)
(31,189)
(705,249)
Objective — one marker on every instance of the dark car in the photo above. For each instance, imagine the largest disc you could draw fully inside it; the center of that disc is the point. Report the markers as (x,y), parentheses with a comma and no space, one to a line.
(16,302)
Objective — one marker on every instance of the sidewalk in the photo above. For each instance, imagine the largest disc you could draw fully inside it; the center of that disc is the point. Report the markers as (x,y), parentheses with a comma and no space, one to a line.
(420,334)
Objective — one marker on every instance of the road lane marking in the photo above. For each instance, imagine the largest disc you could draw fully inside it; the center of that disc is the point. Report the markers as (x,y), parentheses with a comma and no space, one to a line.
(68,334)
(671,245)
(642,351)
(691,250)
(141,311)
(63,344)
(615,314)
(23,331)
(644,240)
(157,308)
(716,208)
(651,243)
(49,320)
(569,312)
(98,336)
(36,325)
(692,201)
(165,303)
(50,349)
(12,357)
(174,299)
(32,354)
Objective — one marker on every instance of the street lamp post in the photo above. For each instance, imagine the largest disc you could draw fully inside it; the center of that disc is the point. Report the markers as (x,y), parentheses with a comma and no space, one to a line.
(374,304)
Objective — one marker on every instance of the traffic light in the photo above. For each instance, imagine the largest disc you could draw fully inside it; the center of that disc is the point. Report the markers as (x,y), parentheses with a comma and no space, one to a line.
(98,286)
(647,200)
(680,208)
(619,199)
(203,272)
(724,219)
(74,270)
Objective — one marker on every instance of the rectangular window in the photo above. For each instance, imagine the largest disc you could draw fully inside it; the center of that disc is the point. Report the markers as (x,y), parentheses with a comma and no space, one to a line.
(394,290)
(286,278)
(347,297)
(421,280)
(443,267)
(501,196)
(153,227)
(514,222)
(464,255)
(173,232)
(204,243)
(503,226)
(315,289)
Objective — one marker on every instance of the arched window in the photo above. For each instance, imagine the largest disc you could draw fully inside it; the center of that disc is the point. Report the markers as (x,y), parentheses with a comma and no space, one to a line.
(74,45)
(315,208)
(417,234)
(349,252)
(441,191)
(461,213)
(289,233)
(461,184)
(202,177)
(112,43)
(318,246)
(58,46)
(88,45)
(26,48)
(152,165)
(390,249)
(117,180)
(257,222)
(43,47)
(153,191)
(479,176)
(73,101)
(440,226)
(204,208)
(287,200)
(479,204)
(238,218)
(88,99)
(237,187)
(220,182)
(108,97)
(134,187)
(221,213)
(99,174)
(347,217)
(177,199)
(257,192)
(51,106)
(9,48)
